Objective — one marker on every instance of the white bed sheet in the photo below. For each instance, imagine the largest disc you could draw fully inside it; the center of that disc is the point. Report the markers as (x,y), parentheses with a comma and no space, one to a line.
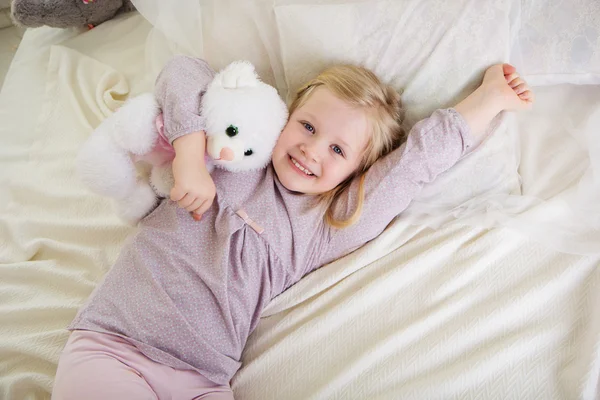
(461,312)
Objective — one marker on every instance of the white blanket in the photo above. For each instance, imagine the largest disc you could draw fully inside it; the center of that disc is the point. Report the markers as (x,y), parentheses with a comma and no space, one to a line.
(461,312)
(56,240)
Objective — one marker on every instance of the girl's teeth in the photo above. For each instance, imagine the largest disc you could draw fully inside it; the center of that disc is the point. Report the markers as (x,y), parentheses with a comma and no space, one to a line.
(301,168)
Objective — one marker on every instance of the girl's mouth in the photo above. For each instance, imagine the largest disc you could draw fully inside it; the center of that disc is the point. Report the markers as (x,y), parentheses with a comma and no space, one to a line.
(300,169)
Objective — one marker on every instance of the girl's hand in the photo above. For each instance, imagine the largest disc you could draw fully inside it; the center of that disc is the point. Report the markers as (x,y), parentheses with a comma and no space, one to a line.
(194,188)
(501,90)
(502,82)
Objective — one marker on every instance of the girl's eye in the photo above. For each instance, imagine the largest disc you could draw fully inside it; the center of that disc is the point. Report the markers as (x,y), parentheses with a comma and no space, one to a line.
(308,127)
(337,150)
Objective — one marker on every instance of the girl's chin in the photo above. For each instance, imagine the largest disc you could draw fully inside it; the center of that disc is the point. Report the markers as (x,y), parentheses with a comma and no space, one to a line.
(292,184)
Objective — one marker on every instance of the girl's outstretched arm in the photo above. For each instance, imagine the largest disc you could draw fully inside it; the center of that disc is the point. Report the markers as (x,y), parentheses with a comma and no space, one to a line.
(433,146)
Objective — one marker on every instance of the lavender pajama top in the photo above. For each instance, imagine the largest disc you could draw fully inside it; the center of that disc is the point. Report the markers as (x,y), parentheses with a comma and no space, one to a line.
(188,294)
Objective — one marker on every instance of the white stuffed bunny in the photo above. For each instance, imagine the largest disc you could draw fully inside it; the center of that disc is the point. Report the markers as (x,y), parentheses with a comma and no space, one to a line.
(243,118)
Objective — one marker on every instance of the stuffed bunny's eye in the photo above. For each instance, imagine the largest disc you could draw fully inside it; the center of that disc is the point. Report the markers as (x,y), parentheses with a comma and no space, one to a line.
(248,152)
(231,131)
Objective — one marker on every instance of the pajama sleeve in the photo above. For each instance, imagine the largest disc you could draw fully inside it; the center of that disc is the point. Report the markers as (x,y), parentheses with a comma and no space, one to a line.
(433,146)
(179,89)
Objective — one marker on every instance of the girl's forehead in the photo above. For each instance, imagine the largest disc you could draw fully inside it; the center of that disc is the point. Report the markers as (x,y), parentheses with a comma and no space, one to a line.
(322,97)
(327,108)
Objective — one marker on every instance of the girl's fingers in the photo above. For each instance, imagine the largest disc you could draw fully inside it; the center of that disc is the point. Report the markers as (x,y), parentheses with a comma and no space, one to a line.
(186,201)
(177,193)
(508,69)
(521,88)
(511,77)
(518,85)
(525,95)
(197,213)
(203,208)
(515,82)
(195,205)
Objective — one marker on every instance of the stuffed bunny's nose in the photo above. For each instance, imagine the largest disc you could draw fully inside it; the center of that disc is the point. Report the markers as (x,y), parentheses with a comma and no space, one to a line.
(227,154)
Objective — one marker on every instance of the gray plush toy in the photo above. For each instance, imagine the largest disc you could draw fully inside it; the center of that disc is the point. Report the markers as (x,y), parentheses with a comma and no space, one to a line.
(67,13)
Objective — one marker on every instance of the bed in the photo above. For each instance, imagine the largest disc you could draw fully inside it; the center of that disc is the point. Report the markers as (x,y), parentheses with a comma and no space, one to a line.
(487,287)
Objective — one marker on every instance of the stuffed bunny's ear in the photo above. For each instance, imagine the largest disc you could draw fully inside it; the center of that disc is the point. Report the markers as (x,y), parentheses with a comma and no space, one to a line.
(238,74)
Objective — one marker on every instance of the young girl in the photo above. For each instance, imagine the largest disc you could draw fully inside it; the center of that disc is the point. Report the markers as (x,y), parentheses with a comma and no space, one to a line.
(173,315)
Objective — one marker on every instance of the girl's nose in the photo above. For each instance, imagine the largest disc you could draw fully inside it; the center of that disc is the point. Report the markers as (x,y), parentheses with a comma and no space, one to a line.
(310,151)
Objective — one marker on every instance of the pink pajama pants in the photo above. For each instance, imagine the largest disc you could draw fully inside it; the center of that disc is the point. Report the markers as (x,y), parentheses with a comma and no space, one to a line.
(100,366)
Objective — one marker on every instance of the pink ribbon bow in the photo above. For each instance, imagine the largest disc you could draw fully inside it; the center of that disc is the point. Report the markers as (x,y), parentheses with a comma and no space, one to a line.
(249,221)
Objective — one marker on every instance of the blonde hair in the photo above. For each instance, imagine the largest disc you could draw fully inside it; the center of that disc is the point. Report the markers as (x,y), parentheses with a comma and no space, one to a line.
(360,88)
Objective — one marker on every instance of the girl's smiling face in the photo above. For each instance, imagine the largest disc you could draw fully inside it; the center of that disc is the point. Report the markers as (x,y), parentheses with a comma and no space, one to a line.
(321,145)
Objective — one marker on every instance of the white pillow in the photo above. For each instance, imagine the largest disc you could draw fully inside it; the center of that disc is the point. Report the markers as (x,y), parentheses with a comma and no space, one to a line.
(560,42)
(435,51)
(219,31)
